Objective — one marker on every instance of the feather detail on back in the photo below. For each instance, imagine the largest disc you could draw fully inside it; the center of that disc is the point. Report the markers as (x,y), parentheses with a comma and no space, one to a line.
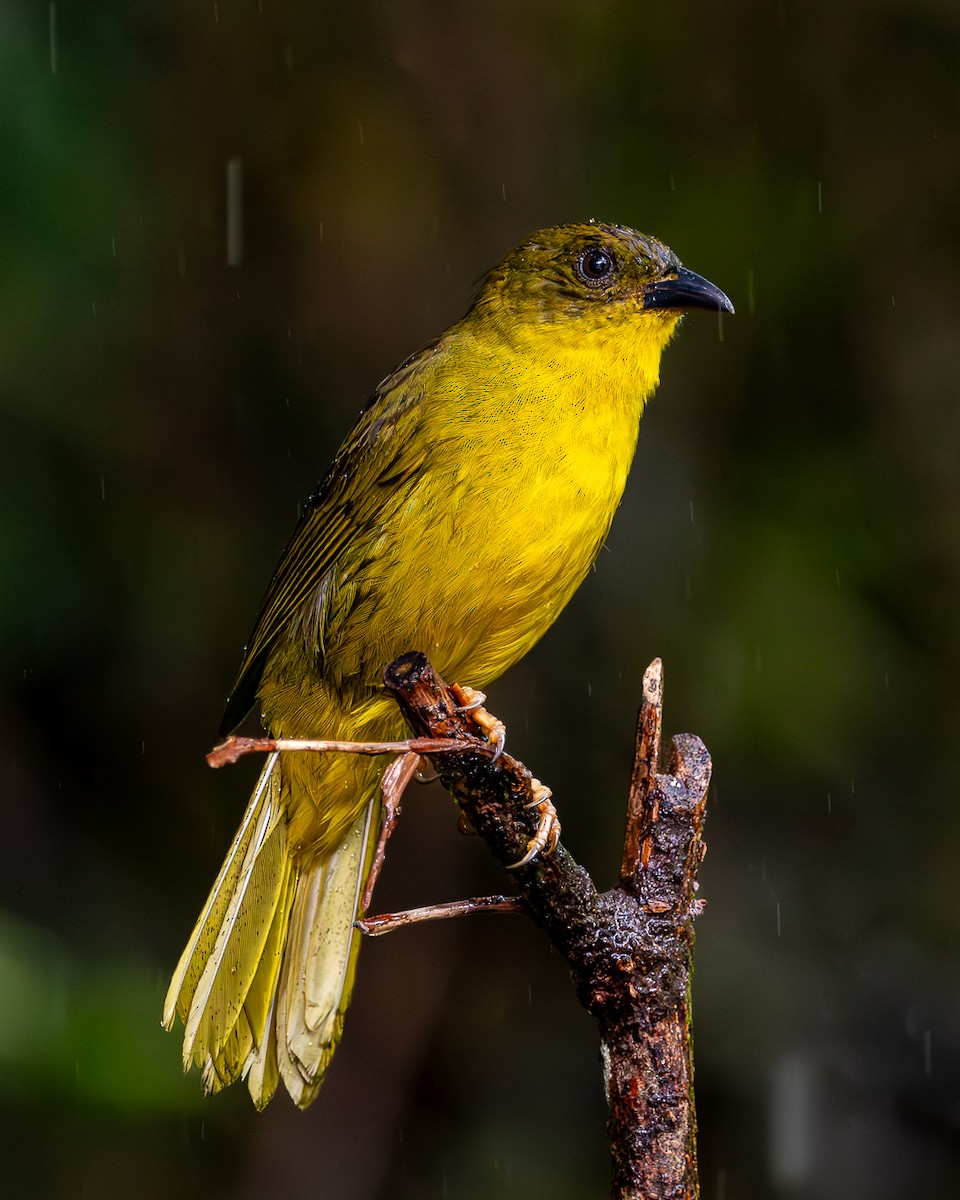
(346,506)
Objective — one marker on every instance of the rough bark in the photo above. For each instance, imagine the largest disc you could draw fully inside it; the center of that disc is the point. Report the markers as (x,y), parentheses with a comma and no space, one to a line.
(629,949)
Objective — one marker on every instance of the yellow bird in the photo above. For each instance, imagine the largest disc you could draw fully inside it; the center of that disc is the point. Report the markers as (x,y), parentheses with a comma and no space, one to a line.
(458,518)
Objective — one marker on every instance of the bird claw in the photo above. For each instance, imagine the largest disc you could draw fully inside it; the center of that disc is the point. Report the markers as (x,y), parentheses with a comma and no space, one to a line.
(426,772)
(471,698)
(547,836)
(548,827)
(493,729)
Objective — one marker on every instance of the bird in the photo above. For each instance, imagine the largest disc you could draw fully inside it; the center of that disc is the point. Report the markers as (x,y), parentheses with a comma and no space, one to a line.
(458,518)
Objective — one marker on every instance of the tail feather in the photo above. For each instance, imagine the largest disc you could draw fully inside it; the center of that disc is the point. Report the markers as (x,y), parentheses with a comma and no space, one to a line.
(265,980)
(318,972)
(218,1005)
(222,985)
(259,1003)
(262,1072)
(200,945)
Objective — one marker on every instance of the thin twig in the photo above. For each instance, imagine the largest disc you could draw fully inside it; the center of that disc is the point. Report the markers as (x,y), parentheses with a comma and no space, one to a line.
(234,748)
(388,922)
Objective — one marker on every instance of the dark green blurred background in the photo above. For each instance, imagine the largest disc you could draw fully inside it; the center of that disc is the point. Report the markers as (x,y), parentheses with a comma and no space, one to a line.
(789,544)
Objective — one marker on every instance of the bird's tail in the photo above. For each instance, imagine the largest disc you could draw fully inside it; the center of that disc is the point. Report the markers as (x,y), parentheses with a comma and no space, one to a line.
(265,979)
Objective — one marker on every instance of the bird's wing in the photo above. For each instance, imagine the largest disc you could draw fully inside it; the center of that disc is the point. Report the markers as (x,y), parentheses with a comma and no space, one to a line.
(382,453)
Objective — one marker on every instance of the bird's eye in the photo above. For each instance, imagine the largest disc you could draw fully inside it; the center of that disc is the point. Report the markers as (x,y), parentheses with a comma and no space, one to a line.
(596,266)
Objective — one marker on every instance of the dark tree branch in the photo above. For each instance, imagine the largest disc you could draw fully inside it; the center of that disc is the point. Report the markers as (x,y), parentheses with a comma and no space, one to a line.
(629,949)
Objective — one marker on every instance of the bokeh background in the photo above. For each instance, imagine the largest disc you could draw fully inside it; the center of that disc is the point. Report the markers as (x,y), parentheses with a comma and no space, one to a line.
(172,389)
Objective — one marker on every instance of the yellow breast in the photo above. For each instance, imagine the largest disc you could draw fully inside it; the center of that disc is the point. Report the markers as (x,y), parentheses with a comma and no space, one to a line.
(533,439)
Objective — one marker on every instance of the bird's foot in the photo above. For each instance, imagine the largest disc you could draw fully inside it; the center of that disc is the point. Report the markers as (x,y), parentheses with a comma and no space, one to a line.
(471,701)
(548,827)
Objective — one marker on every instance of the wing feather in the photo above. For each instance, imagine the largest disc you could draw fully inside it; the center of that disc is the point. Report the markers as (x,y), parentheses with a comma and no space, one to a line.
(381,454)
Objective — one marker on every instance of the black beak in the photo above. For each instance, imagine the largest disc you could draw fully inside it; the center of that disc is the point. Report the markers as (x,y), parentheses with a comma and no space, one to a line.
(685,290)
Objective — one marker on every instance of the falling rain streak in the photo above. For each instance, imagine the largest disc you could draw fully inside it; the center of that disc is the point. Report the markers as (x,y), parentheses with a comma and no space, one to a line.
(234,211)
(792,1105)
(53,38)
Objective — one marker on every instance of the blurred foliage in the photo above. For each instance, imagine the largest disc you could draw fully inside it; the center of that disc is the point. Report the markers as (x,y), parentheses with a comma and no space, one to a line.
(789,544)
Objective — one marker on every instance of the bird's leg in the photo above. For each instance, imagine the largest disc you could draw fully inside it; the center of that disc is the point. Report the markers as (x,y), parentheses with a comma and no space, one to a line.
(388,922)
(394,782)
(392,786)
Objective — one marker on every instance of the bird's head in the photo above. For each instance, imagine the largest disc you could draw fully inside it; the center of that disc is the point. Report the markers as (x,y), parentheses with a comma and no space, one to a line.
(595,275)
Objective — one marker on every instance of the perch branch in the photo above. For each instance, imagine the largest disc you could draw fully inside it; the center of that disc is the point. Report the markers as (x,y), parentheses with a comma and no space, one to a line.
(629,949)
